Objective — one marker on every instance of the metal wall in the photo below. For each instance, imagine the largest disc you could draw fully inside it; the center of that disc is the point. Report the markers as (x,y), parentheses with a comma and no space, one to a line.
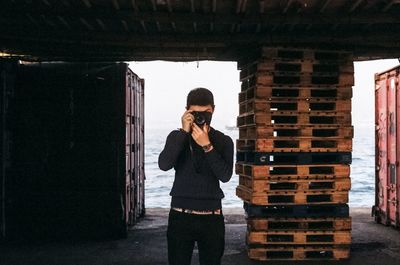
(7,79)
(387,118)
(70,152)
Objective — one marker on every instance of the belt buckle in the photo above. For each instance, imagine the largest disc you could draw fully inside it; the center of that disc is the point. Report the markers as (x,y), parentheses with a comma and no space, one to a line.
(189,211)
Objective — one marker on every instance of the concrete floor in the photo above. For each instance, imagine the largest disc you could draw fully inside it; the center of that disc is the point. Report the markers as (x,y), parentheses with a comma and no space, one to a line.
(146,245)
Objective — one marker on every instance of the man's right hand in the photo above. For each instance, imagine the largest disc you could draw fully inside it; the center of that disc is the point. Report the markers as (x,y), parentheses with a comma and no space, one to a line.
(187,120)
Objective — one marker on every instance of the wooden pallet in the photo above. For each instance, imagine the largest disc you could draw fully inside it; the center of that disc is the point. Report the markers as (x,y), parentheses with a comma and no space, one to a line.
(295,118)
(297,130)
(295,66)
(299,253)
(304,54)
(295,158)
(303,79)
(291,197)
(309,224)
(294,144)
(293,92)
(296,210)
(299,105)
(293,172)
(260,186)
(299,237)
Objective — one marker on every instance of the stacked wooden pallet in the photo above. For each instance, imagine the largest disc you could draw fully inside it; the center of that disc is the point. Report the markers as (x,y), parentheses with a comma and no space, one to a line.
(293,153)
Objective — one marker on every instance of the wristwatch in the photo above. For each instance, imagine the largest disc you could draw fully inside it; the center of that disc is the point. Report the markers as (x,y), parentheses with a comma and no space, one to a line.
(207,147)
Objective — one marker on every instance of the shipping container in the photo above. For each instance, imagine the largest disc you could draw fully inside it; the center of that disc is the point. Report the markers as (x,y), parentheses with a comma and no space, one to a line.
(7,80)
(387,137)
(71,173)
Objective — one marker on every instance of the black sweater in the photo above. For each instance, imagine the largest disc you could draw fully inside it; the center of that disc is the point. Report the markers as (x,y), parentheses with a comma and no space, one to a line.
(197,174)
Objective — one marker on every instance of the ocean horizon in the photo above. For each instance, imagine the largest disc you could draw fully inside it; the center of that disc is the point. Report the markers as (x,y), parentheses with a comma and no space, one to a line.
(159,183)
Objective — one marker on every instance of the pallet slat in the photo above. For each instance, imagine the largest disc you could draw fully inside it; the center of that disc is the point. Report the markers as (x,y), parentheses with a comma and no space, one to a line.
(300,105)
(284,54)
(294,145)
(304,54)
(299,237)
(296,253)
(275,224)
(260,186)
(293,92)
(294,118)
(295,158)
(298,131)
(297,210)
(288,172)
(296,66)
(303,79)
(291,197)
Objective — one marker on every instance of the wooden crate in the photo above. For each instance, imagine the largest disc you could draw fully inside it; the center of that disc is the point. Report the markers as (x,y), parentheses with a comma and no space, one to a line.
(256,91)
(296,210)
(299,253)
(310,224)
(299,105)
(291,197)
(295,118)
(299,237)
(288,172)
(259,186)
(303,79)
(294,144)
(295,66)
(292,54)
(298,130)
(293,158)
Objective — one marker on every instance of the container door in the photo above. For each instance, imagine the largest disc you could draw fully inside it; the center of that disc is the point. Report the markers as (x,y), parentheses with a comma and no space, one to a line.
(381,147)
(128,148)
(8,72)
(397,84)
(392,174)
(142,153)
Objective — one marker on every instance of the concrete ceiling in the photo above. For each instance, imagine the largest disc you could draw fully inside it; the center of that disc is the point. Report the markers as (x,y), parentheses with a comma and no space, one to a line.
(189,30)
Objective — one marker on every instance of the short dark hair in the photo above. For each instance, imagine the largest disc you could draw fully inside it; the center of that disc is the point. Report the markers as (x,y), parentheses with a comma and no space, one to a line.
(200,96)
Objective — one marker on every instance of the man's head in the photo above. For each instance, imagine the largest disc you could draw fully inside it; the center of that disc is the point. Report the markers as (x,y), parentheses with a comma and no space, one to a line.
(200,100)
(200,97)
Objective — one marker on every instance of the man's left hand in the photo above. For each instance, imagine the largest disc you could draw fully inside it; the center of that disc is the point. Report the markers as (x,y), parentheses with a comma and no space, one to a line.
(200,135)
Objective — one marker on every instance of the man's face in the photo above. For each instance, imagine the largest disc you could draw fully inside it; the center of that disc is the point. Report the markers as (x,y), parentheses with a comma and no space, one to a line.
(207,108)
(201,119)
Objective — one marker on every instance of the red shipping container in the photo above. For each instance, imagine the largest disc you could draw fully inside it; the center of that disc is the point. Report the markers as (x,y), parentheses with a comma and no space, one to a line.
(387,139)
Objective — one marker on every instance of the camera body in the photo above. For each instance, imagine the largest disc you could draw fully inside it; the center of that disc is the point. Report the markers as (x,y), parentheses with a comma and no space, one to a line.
(202,117)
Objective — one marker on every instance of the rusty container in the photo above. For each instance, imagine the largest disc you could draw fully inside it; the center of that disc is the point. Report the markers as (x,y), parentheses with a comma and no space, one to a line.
(387,141)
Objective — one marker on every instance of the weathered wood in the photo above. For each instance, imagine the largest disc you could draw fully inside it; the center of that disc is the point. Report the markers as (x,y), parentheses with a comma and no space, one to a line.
(291,197)
(293,118)
(300,105)
(299,253)
(299,237)
(262,185)
(295,144)
(253,91)
(276,224)
(299,131)
(293,172)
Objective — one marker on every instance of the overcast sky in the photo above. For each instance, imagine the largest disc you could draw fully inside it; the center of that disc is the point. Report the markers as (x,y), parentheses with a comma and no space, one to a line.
(167,84)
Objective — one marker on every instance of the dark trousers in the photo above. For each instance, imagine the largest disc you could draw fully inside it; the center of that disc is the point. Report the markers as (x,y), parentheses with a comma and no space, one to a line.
(185,229)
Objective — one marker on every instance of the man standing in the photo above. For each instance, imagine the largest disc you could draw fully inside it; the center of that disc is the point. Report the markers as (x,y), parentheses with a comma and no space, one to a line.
(201,157)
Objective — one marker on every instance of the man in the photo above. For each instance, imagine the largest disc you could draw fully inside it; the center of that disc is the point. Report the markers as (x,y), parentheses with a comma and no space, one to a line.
(201,157)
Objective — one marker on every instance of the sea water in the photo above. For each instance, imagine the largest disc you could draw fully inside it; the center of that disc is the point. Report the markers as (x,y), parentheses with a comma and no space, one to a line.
(159,183)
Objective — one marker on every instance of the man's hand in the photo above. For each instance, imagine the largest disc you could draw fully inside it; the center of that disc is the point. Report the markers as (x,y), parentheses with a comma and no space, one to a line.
(200,135)
(187,120)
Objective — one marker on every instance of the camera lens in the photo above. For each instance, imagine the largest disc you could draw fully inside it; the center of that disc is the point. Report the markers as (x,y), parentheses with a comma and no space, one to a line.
(200,119)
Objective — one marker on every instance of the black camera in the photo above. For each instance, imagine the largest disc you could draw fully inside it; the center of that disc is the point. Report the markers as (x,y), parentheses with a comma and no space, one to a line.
(202,117)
